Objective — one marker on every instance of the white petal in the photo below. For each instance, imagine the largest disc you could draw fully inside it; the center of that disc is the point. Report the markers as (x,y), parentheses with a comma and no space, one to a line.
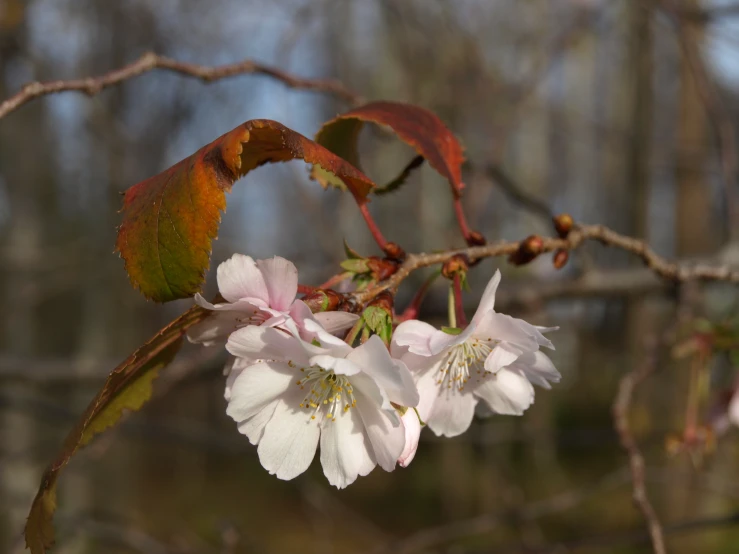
(383,428)
(270,344)
(416,335)
(290,439)
(256,386)
(734,409)
(253,427)
(412,427)
(428,391)
(337,346)
(238,277)
(504,354)
(341,366)
(392,375)
(507,392)
(536,333)
(452,412)
(346,452)
(505,328)
(487,302)
(336,322)
(538,368)
(214,329)
(281,278)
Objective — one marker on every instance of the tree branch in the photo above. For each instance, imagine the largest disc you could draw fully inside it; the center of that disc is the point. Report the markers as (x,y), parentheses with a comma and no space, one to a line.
(151,61)
(670,271)
(621,406)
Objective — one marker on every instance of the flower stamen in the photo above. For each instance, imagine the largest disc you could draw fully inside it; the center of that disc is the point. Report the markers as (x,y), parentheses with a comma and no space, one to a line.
(326,392)
(461,362)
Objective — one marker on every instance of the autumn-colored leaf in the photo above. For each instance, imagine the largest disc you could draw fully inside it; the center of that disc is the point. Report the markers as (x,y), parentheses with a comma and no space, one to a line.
(170,219)
(128,387)
(416,126)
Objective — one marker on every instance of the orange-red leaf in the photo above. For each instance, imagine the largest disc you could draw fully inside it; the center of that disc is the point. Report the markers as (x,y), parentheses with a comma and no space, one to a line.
(128,387)
(418,127)
(170,219)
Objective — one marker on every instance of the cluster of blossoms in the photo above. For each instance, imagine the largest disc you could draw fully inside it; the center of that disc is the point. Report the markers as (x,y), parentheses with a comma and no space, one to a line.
(294,383)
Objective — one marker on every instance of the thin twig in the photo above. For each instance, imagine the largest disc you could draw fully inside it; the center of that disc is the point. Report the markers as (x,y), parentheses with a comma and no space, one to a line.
(151,61)
(621,406)
(670,271)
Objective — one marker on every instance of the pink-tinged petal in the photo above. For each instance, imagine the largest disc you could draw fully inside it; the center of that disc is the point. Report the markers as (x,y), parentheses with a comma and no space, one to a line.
(412,427)
(505,328)
(452,413)
(507,392)
(340,366)
(254,427)
(383,428)
(256,386)
(503,355)
(267,343)
(391,375)
(202,302)
(290,439)
(416,335)
(233,368)
(734,409)
(538,368)
(281,278)
(346,452)
(487,302)
(238,277)
(336,322)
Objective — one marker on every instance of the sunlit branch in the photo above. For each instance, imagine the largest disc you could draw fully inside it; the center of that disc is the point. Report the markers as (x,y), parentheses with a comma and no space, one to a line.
(150,61)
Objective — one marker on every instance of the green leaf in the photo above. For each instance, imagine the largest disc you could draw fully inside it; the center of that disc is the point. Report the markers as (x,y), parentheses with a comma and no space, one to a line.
(355,265)
(128,387)
(351,253)
(379,322)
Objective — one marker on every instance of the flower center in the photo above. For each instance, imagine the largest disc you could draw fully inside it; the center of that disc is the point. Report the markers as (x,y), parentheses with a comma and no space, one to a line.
(253,317)
(462,362)
(329,393)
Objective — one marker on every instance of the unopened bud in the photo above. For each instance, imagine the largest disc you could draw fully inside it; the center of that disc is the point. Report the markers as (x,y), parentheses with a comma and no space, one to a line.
(381,269)
(532,245)
(458,264)
(394,252)
(385,301)
(560,258)
(323,300)
(529,249)
(563,224)
(475,238)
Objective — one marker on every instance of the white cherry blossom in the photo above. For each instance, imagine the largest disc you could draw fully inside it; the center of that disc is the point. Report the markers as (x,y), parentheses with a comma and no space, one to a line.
(494,360)
(260,292)
(288,395)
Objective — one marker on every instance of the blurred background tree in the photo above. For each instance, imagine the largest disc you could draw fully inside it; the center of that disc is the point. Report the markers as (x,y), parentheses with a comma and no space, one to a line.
(621,112)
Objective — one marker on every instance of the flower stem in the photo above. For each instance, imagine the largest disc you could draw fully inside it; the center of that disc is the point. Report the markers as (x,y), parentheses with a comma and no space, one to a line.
(351,336)
(411,312)
(451,308)
(458,304)
(335,280)
(373,228)
(306,289)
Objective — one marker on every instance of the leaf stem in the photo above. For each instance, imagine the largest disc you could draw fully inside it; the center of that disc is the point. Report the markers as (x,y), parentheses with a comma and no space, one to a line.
(451,308)
(371,225)
(351,336)
(461,218)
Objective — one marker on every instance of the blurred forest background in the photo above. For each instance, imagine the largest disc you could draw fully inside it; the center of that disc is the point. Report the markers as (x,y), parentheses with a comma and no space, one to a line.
(620,112)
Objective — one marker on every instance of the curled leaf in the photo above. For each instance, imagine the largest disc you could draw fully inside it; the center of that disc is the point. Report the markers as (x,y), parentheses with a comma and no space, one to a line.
(128,387)
(417,127)
(169,220)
